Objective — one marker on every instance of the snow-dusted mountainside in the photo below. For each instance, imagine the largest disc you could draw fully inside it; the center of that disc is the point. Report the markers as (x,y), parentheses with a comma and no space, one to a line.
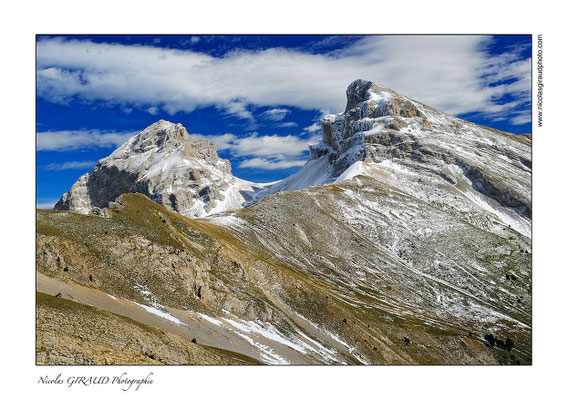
(426,153)
(165,164)
(405,239)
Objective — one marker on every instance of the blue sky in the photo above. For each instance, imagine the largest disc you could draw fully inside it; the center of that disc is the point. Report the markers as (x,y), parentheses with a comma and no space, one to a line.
(258,98)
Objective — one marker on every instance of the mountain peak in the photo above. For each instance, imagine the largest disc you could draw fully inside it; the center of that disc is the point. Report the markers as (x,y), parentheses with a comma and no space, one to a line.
(161,134)
(409,141)
(380,100)
(164,136)
(165,130)
(167,165)
(359,91)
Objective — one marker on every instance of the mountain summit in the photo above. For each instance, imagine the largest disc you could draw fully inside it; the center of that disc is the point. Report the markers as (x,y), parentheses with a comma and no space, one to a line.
(165,164)
(426,153)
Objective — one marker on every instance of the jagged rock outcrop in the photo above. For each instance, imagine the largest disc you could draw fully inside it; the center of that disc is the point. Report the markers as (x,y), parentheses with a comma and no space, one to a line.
(165,164)
(424,149)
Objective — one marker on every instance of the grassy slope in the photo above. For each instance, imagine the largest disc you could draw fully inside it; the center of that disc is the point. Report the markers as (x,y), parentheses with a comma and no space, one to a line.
(76,333)
(378,335)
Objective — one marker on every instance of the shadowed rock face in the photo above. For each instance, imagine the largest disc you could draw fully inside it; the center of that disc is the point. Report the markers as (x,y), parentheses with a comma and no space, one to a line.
(357,92)
(165,164)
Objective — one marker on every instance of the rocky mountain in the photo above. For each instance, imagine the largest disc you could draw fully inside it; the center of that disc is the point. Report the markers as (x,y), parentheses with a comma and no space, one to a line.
(405,239)
(165,164)
(428,154)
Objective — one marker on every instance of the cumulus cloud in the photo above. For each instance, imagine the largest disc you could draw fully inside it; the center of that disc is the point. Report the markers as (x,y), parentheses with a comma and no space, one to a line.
(453,73)
(259,145)
(69,165)
(80,139)
(263,163)
(237,108)
(263,151)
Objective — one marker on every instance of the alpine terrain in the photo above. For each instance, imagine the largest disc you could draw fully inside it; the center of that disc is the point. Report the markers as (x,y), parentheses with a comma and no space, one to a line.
(405,239)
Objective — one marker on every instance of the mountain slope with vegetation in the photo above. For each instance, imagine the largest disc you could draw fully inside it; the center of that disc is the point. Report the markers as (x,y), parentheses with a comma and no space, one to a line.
(405,239)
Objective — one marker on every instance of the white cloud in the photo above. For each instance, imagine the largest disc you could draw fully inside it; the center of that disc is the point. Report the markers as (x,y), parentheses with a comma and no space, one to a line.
(263,163)
(521,119)
(152,110)
(286,125)
(46,205)
(237,108)
(451,73)
(267,152)
(80,139)
(257,145)
(315,127)
(69,165)
(275,114)
(190,41)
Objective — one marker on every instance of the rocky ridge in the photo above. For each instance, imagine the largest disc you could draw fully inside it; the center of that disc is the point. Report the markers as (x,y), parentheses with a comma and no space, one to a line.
(426,150)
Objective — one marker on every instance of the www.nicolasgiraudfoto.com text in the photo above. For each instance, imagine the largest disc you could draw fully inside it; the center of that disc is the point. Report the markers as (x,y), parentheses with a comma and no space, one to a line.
(540,84)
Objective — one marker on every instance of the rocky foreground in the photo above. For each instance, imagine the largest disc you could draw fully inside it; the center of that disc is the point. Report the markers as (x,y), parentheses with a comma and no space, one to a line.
(405,239)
